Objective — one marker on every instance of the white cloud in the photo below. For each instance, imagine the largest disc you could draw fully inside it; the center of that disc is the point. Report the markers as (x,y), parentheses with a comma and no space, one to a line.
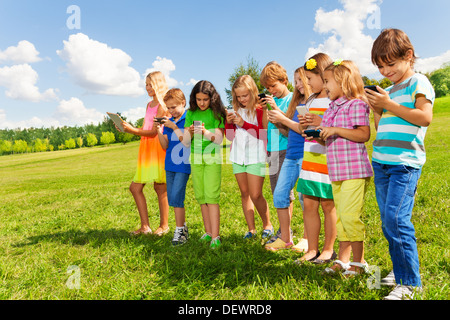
(433,63)
(34,122)
(166,66)
(99,68)
(20,83)
(24,52)
(347,40)
(134,114)
(73,112)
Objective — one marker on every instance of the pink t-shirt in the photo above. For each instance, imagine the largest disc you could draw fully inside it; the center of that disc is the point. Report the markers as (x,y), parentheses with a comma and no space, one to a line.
(347,159)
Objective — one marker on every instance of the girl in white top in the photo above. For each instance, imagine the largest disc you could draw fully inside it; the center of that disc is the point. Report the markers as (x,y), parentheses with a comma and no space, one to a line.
(246,127)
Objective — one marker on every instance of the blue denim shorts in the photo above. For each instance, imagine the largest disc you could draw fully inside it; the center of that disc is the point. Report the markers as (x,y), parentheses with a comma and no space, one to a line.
(176,188)
(289,173)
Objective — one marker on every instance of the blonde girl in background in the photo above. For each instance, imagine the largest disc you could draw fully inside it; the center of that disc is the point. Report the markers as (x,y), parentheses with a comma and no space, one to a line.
(151,157)
(246,128)
(290,170)
(314,182)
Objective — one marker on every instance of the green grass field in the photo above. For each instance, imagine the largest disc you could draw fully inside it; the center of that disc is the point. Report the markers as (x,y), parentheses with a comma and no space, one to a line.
(73,208)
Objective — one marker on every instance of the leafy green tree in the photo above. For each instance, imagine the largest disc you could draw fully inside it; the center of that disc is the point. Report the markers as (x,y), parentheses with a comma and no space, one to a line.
(91,140)
(70,144)
(440,79)
(20,146)
(41,145)
(107,138)
(79,142)
(5,147)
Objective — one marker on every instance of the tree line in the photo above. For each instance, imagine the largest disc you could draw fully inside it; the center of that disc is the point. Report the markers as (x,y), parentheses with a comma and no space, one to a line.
(28,140)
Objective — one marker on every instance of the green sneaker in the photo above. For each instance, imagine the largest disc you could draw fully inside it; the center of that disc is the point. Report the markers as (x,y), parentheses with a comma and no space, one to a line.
(215,243)
(205,238)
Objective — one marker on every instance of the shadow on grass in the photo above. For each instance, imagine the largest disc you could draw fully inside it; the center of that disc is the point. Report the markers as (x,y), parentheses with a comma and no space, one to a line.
(237,264)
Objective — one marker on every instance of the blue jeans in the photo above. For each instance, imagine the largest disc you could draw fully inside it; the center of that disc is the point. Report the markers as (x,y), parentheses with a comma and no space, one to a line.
(395,187)
(288,176)
(176,188)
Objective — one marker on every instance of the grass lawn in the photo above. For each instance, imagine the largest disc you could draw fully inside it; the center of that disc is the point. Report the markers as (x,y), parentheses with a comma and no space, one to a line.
(71,209)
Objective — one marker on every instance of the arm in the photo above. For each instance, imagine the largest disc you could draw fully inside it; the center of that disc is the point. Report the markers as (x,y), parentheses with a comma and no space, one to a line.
(358,134)
(420,116)
(215,137)
(163,140)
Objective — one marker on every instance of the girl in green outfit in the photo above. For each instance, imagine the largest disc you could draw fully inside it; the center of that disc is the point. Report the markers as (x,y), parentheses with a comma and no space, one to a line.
(205,123)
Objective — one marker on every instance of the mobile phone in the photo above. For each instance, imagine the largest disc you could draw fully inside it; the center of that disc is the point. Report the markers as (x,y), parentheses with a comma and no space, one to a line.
(313,133)
(197,123)
(373,88)
(159,120)
(262,96)
(302,110)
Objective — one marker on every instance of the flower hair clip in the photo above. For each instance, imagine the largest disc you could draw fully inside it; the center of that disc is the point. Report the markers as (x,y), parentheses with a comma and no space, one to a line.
(337,62)
(311,64)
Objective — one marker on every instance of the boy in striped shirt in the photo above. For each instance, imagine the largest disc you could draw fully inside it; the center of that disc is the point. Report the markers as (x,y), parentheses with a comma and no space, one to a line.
(402,114)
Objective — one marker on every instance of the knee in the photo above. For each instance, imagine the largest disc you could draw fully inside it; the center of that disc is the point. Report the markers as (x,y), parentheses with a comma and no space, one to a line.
(160,188)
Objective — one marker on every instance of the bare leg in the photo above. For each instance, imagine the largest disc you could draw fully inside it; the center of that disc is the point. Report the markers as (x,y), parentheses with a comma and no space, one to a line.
(136,190)
(161,192)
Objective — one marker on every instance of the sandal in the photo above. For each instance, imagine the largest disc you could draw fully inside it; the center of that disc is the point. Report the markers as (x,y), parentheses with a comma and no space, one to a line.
(360,268)
(338,266)
(160,231)
(139,231)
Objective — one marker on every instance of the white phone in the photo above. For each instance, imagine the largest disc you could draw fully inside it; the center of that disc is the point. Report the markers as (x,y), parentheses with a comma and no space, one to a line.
(302,110)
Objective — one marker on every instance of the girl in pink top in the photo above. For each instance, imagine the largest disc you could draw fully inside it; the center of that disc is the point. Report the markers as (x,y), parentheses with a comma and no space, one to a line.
(151,157)
(344,130)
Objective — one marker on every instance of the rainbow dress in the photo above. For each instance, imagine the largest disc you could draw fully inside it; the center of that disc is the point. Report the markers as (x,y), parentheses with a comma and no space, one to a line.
(314,179)
(151,157)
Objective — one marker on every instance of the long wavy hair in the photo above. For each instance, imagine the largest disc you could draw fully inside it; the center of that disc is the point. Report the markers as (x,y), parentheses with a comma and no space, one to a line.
(297,97)
(159,84)
(216,103)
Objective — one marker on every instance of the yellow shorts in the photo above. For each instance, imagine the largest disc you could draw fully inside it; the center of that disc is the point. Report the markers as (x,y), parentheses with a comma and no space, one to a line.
(349,202)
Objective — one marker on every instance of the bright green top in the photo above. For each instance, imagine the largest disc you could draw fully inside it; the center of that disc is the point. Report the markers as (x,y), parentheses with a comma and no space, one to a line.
(200,143)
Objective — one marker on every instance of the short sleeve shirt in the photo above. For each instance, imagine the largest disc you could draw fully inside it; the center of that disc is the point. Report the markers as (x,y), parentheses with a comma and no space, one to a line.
(200,143)
(347,159)
(177,154)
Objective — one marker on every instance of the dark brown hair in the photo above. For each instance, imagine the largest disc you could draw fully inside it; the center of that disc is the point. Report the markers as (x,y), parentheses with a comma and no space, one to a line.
(391,45)
(216,103)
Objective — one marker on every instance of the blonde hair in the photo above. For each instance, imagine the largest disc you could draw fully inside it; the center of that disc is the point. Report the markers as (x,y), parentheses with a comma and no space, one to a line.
(272,72)
(348,78)
(175,94)
(159,84)
(297,96)
(247,82)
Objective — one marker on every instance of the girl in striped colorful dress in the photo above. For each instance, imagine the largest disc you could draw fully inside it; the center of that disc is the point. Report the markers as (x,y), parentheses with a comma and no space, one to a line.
(314,182)
(151,157)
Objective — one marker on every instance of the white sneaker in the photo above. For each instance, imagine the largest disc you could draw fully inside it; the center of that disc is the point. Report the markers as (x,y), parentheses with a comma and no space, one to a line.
(389,280)
(401,292)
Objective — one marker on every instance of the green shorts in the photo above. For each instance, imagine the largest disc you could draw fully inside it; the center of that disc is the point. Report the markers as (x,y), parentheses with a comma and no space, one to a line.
(206,180)
(256,169)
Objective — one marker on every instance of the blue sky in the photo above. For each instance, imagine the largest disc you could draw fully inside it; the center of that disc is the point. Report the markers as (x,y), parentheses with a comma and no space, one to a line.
(53,73)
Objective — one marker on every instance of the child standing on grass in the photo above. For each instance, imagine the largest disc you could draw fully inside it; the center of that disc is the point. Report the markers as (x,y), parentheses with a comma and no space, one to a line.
(150,167)
(290,170)
(205,123)
(275,79)
(245,127)
(344,130)
(314,182)
(177,164)
(402,114)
